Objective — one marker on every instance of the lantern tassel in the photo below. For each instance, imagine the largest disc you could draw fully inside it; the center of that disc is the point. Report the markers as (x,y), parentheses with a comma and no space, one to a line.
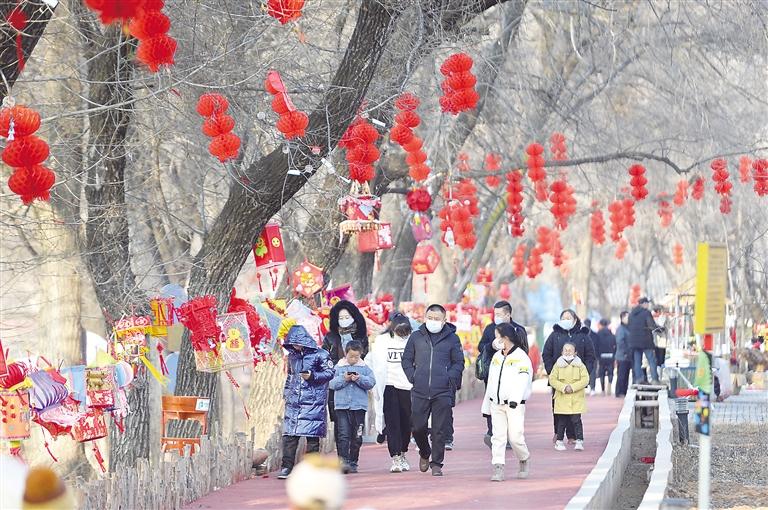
(239,393)
(163,366)
(99,458)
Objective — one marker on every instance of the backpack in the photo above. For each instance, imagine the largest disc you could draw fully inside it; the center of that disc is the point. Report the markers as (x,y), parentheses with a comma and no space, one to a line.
(483,362)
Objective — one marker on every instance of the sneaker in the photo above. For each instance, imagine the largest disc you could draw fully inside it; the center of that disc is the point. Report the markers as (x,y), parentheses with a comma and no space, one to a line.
(487,441)
(283,474)
(524,467)
(449,446)
(397,466)
(498,473)
(381,438)
(592,393)
(423,464)
(353,467)
(404,463)
(559,446)
(345,467)
(579,445)
(437,471)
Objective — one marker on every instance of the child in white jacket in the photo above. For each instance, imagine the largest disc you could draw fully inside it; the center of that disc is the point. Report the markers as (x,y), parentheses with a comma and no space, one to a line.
(509,386)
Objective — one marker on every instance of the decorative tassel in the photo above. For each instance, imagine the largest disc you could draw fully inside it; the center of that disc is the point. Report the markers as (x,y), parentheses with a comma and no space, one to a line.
(152,370)
(239,393)
(99,458)
(163,366)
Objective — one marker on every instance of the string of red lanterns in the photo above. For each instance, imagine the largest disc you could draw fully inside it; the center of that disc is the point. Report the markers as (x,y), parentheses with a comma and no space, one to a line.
(677,254)
(697,191)
(760,168)
(518,260)
(638,182)
(515,203)
(402,134)
(665,210)
(557,147)
(458,87)
(744,164)
(722,184)
(292,122)
(224,145)
(536,173)
(597,226)
(492,164)
(681,193)
(150,26)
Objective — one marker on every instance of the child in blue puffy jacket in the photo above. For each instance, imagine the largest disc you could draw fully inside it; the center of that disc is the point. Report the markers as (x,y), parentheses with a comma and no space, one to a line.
(351,383)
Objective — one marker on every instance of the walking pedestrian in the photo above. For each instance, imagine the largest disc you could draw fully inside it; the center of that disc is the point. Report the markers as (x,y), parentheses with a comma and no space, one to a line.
(593,369)
(433,362)
(569,378)
(502,314)
(392,393)
(351,382)
(623,356)
(508,388)
(567,330)
(606,350)
(306,389)
(641,326)
(346,323)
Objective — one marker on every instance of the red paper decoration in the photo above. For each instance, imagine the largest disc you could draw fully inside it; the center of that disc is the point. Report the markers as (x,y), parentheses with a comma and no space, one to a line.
(634,294)
(466,193)
(557,147)
(150,26)
(544,240)
(25,151)
(638,182)
(563,202)
(110,11)
(518,260)
(457,225)
(536,172)
(225,145)
(629,212)
(361,150)
(677,254)
(744,164)
(402,134)
(285,11)
(459,92)
(25,121)
(258,331)
(556,249)
(760,169)
(292,122)
(425,259)
(492,164)
(722,184)
(681,194)
(418,199)
(616,217)
(308,279)
(515,203)
(463,165)
(697,193)
(534,263)
(18,20)
(504,291)
(32,183)
(665,210)
(199,316)
(621,248)
(597,227)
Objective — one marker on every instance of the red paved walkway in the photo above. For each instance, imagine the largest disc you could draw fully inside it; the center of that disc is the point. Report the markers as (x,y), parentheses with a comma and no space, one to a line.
(555,476)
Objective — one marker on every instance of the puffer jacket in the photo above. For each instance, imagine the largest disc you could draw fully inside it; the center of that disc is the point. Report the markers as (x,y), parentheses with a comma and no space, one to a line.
(305,400)
(485,347)
(433,363)
(574,374)
(578,336)
(622,347)
(509,379)
(641,326)
(606,344)
(352,395)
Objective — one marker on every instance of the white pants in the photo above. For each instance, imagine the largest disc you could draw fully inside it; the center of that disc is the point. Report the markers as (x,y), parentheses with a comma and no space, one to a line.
(508,425)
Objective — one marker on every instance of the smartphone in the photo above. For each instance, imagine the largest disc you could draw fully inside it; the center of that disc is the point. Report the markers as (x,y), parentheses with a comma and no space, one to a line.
(352,373)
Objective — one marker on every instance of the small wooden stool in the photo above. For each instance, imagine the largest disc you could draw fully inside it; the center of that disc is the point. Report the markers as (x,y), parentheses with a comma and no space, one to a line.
(184,408)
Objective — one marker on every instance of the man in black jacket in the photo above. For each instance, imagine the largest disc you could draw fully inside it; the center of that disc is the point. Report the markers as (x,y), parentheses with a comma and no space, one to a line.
(433,362)
(641,327)
(592,369)
(606,350)
(502,312)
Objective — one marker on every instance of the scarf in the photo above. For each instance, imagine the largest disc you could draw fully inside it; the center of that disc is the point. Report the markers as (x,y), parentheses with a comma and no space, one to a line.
(348,331)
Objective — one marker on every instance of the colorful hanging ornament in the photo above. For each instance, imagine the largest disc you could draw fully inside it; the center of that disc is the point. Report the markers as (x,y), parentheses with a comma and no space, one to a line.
(421,227)
(418,199)
(456,225)
(536,173)
(199,316)
(285,11)
(425,261)
(558,197)
(638,182)
(270,259)
(458,87)
(308,279)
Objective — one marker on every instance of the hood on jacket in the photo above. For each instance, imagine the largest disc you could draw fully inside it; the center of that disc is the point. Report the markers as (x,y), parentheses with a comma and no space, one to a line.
(448,329)
(333,318)
(297,335)
(562,363)
(577,328)
(344,363)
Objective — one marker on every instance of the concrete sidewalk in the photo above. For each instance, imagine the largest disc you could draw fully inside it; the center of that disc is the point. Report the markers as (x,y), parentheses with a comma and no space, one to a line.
(555,476)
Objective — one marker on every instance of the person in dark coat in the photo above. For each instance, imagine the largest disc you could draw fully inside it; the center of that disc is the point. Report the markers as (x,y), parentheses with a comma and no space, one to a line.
(623,356)
(502,313)
(592,369)
(433,362)
(310,369)
(641,327)
(346,323)
(568,330)
(606,350)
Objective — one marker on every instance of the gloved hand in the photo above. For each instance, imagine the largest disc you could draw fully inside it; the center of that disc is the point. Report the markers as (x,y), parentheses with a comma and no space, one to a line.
(513,405)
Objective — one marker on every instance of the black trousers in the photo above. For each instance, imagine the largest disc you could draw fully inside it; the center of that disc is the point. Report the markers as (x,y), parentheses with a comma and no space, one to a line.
(570,431)
(572,420)
(622,377)
(291,444)
(441,409)
(449,425)
(350,424)
(488,421)
(592,374)
(605,370)
(397,416)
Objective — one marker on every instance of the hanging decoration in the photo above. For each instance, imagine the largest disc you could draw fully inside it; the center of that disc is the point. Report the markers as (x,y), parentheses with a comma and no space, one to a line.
(518,260)
(235,340)
(621,248)
(25,153)
(362,153)
(536,173)
(744,165)
(629,212)
(597,226)
(544,238)
(557,147)
(484,276)
(616,217)
(534,265)
(556,250)
(342,292)
(371,241)
(418,199)
(697,193)
(760,169)
(504,291)
(224,145)
(421,227)
(681,193)
(150,26)
(15,417)
(285,11)
(677,254)
(259,335)
(292,123)
(562,202)
(111,11)
(515,203)
(665,209)
(492,164)
(402,134)
(18,20)
(456,225)
(463,165)
(458,87)
(361,211)
(722,184)
(425,261)
(634,294)
(308,279)
(638,182)
(199,316)
(130,338)
(269,255)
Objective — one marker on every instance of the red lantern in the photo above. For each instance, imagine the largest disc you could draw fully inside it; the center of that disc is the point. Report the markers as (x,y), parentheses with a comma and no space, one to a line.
(484,276)
(25,151)
(459,84)
(368,241)
(616,217)
(269,250)
(425,259)
(536,172)
(518,260)
(698,189)
(634,294)
(418,199)
(492,164)
(308,279)
(110,11)
(638,182)
(760,168)
(557,147)
(744,164)
(225,147)
(681,194)
(504,291)
(285,10)
(677,254)
(156,52)
(597,227)
(32,183)
(621,248)
(26,121)
(665,210)
(421,227)
(212,103)
(535,266)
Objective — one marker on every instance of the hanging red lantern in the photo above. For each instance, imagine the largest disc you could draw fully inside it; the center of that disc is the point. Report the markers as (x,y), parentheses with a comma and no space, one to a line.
(722,184)
(534,265)
(212,103)
(425,259)
(536,173)
(665,210)
(156,52)
(492,164)
(26,121)
(634,294)
(557,147)
(218,125)
(504,291)
(621,248)
(110,11)
(760,169)
(419,173)
(597,227)
(558,197)
(293,124)
(150,26)
(681,194)
(629,212)
(515,203)
(32,183)
(459,92)
(484,276)
(677,254)
(285,11)
(269,250)
(25,151)
(744,164)
(418,199)
(638,182)
(697,193)
(402,133)
(225,147)
(518,260)
(616,217)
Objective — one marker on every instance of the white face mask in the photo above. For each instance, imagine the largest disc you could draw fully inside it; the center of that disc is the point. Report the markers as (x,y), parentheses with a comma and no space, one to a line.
(569,358)
(498,344)
(434,326)
(500,320)
(566,324)
(345,323)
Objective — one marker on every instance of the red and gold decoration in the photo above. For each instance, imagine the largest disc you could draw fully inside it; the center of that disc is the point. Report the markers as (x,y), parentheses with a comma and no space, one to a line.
(235,340)
(536,173)
(458,87)
(292,122)
(425,261)
(224,145)
(269,254)
(421,227)
(308,279)
(199,316)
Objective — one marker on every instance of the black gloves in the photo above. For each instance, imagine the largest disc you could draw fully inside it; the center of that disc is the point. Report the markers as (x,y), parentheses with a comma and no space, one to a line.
(513,405)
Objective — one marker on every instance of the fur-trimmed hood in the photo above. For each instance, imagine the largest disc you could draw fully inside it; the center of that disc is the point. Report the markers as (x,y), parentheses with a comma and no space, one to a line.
(561,362)
(357,316)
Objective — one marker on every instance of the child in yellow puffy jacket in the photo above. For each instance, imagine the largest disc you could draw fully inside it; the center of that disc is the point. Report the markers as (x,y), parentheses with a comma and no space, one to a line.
(569,378)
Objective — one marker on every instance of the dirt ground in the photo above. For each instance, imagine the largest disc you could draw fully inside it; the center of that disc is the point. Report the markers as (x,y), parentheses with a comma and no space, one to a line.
(739,468)
(635,480)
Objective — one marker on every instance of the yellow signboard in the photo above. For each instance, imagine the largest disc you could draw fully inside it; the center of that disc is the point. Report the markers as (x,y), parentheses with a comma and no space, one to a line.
(711,285)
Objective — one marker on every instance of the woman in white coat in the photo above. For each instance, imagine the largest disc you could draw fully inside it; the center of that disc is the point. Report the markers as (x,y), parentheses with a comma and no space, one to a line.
(392,393)
(509,386)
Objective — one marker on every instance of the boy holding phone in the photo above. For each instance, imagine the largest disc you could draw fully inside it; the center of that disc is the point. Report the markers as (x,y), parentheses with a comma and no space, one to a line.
(351,382)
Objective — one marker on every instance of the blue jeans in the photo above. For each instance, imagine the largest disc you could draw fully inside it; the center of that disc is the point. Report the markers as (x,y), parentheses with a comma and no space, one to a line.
(637,369)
